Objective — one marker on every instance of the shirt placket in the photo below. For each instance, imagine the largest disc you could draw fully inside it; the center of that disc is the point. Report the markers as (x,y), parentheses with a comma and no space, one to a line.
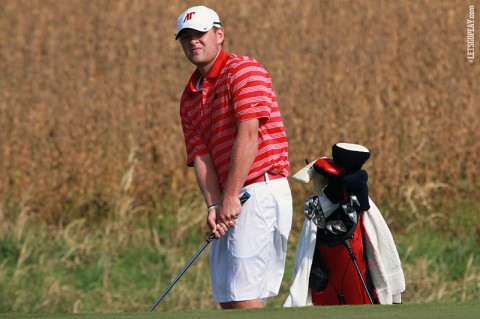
(206,114)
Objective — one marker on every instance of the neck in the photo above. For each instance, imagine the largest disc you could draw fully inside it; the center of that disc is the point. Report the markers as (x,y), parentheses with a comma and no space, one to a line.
(205,69)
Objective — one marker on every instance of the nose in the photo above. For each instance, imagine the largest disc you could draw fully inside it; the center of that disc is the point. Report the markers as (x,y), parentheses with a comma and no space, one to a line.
(193,40)
(189,40)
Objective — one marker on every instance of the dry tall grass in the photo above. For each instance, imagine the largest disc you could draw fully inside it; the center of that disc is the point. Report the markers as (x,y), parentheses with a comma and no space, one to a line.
(89,94)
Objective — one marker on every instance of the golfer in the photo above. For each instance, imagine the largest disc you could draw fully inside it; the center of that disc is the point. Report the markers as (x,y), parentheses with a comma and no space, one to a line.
(236,141)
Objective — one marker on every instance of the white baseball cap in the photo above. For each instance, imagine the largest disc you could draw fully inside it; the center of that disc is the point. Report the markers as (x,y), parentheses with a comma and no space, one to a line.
(199,18)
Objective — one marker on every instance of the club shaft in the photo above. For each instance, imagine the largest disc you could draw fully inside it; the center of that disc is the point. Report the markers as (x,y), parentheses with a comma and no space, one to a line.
(210,238)
(205,244)
(352,256)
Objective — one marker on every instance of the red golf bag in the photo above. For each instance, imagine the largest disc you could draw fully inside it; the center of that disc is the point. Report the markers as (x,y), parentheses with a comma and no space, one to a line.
(339,273)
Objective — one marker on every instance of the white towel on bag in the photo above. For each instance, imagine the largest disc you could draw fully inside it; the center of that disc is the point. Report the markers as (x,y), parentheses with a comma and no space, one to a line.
(382,256)
(299,292)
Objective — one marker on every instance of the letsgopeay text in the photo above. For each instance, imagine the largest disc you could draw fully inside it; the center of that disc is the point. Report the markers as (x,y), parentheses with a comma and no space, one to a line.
(471,34)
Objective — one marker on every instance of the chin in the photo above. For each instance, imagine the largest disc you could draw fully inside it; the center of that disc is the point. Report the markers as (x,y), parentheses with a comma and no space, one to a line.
(196,60)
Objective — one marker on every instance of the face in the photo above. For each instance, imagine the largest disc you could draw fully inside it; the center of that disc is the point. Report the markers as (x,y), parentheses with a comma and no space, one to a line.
(201,48)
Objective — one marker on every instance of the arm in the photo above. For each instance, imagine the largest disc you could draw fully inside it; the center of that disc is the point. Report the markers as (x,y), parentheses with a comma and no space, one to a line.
(207,180)
(243,155)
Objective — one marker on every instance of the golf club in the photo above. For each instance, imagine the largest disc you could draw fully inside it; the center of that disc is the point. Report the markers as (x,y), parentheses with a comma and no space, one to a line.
(210,238)
(339,226)
(352,256)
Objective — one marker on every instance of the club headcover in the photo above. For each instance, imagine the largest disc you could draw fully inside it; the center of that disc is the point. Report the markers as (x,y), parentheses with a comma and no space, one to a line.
(334,189)
(350,156)
(356,184)
(327,167)
(308,174)
(328,174)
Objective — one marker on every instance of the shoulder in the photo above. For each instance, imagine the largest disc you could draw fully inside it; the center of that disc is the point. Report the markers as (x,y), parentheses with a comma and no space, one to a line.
(237,58)
(239,64)
(237,61)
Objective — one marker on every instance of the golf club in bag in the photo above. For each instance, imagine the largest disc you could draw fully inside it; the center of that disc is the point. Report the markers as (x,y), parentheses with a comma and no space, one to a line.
(352,256)
(210,238)
(350,208)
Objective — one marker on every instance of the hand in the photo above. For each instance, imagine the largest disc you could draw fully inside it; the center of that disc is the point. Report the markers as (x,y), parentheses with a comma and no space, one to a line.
(218,229)
(230,211)
(218,221)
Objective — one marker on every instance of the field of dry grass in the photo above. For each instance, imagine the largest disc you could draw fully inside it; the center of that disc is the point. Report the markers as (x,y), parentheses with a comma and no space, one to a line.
(89,90)
(89,97)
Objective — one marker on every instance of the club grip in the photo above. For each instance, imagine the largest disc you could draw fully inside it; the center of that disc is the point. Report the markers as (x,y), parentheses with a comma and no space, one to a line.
(244,197)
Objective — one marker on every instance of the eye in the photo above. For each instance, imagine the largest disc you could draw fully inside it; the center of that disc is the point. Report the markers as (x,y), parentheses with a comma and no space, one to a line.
(188,35)
(184,38)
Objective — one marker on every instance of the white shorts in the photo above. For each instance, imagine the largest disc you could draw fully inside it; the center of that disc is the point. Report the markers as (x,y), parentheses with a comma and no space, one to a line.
(249,261)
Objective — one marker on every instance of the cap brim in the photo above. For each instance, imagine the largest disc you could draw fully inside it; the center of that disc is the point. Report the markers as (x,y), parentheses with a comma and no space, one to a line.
(201,28)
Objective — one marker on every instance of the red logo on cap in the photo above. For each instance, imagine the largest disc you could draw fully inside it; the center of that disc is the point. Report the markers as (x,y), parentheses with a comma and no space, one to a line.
(188,16)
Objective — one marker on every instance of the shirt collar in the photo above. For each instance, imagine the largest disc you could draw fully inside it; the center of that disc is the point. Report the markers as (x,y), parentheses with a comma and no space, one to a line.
(214,71)
(218,64)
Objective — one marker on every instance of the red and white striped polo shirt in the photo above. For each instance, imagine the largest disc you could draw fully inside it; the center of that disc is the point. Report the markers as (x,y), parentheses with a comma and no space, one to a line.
(237,88)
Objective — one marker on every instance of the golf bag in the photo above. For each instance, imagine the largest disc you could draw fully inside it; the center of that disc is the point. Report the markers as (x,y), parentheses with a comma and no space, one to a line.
(339,273)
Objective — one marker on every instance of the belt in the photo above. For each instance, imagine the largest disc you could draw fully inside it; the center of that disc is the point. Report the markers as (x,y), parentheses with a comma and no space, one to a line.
(263,178)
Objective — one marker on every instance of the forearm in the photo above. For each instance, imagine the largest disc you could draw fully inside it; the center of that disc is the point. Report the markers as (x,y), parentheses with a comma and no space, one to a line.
(207,179)
(244,152)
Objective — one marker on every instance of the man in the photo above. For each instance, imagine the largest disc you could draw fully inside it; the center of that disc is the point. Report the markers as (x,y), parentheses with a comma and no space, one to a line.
(236,141)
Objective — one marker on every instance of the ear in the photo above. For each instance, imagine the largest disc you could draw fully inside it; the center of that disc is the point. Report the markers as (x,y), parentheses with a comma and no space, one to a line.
(220,35)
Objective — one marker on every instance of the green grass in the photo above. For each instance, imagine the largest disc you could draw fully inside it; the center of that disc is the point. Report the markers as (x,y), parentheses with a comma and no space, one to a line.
(123,266)
(439,311)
